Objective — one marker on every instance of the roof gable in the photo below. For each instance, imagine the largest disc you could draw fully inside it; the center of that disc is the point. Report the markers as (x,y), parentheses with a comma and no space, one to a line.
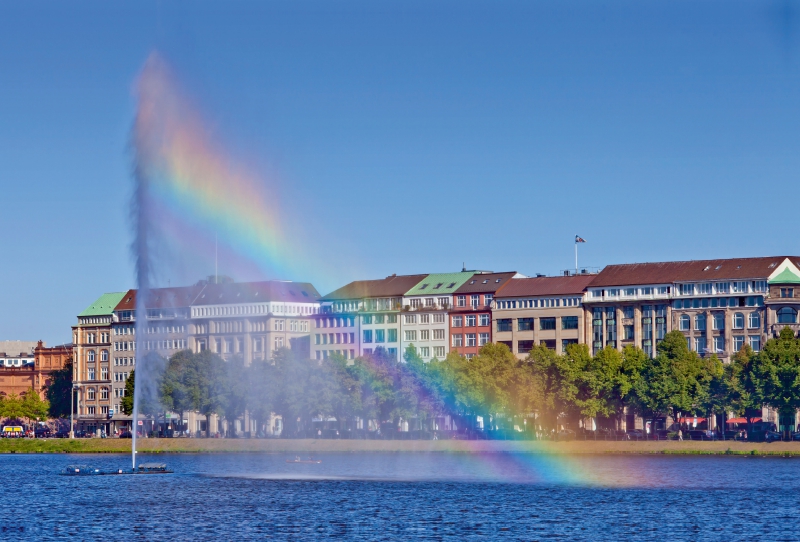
(440,283)
(104,305)
(786,273)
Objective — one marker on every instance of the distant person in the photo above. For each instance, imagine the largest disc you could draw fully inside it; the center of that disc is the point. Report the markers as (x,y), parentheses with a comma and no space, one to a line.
(680,434)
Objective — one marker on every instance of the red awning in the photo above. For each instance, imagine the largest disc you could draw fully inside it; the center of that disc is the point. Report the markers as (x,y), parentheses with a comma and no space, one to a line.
(742,420)
(691,420)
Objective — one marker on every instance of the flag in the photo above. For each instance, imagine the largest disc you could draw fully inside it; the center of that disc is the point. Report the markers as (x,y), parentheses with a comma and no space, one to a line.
(579,239)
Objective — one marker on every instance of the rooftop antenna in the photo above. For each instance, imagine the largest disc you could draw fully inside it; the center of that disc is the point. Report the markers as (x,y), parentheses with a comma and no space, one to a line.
(463,266)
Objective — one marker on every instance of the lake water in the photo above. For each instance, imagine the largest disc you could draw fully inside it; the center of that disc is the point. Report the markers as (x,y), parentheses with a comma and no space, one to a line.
(375,496)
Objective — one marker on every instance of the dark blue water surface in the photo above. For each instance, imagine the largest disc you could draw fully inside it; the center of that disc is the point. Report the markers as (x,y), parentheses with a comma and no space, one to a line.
(374,496)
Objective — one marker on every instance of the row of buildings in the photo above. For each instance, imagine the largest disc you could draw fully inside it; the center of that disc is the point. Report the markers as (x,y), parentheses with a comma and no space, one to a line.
(719,305)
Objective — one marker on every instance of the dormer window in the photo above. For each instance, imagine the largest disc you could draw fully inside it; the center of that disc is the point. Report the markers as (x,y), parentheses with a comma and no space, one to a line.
(423,286)
(486,281)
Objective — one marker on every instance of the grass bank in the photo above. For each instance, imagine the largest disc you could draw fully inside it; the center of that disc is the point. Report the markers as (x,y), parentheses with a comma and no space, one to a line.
(312,446)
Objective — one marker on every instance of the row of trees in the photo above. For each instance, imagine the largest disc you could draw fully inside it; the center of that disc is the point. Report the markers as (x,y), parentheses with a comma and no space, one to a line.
(554,389)
(29,407)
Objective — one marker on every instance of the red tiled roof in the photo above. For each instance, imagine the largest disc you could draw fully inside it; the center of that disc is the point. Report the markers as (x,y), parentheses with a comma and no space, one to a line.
(541,286)
(393,285)
(485,282)
(696,270)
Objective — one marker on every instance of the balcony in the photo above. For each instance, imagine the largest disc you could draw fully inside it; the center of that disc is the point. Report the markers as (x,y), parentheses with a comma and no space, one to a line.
(776,329)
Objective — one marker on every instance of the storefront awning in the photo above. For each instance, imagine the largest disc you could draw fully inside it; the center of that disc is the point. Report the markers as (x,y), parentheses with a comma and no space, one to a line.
(742,420)
(691,420)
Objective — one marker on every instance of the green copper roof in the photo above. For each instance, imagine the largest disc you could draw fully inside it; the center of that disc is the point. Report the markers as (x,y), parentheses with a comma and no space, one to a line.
(104,305)
(785,277)
(440,283)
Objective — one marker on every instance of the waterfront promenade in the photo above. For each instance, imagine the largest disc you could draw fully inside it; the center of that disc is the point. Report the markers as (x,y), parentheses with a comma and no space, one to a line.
(312,446)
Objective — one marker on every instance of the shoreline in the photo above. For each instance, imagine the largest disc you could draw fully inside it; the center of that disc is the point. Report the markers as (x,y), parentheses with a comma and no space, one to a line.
(313,446)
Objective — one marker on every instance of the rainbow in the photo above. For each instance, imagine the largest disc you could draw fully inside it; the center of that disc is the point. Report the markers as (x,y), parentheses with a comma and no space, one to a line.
(192,200)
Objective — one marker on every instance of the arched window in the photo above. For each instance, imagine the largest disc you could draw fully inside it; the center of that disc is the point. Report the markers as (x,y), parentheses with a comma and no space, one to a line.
(103,393)
(90,355)
(700,322)
(90,394)
(685,322)
(738,321)
(787,315)
(754,320)
(104,355)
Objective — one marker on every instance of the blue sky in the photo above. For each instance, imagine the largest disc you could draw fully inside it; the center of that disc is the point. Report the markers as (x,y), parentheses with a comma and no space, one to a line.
(410,136)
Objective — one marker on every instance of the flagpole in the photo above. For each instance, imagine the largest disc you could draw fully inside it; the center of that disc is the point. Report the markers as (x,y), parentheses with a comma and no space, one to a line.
(576,257)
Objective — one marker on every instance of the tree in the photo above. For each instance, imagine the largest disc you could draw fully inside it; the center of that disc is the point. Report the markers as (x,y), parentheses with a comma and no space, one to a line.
(11,407)
(779,370)
(744,385)
(58,391)
(127,400)
(33,407)
(179,383)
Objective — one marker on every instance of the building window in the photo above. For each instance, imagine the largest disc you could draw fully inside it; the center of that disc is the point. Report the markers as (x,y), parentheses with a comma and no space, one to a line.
(471,339)
(438,334)
(483,320)
(504,324)
(367,335)
(410,318)
(719,344)
(439,318)
(470,320)
(90,410)
(90,374)
(366,319)
(685,322)
(411,335)
(278,342)
(391,318)
(738,321)
(424,334)
(547,324)
(754,320)
(755,343)
(569,322)
(425,352)
(687,289)
(483,338)
(461,301)
(738,342)
(487,299)
(391,335)
(787,292)
(566,342)
(380,336)
(438,351)
(104,355)
(524,324)
(103,393)
(90,355)
(700,345)
(718,320)
(424,318)
(787,315)
(474,301)
(627,312)
(416,304)
(456,339)
(104,373)
(90,394)
(700,322)
(523,347)
(457,320)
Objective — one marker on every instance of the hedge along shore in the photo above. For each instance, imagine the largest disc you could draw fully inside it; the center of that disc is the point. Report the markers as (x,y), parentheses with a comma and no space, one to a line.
(312,446)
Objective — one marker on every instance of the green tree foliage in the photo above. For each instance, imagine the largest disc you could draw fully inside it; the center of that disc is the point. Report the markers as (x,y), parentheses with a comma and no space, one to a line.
(494,385)
(34,408)
(126,404)
(58,391)
(778,373)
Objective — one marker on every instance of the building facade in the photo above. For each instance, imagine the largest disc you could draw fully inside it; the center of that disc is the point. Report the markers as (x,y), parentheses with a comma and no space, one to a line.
(546,311)
(249,320)
(719,305)
(470,317)
(26,365)
(362,316)
(91,354)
